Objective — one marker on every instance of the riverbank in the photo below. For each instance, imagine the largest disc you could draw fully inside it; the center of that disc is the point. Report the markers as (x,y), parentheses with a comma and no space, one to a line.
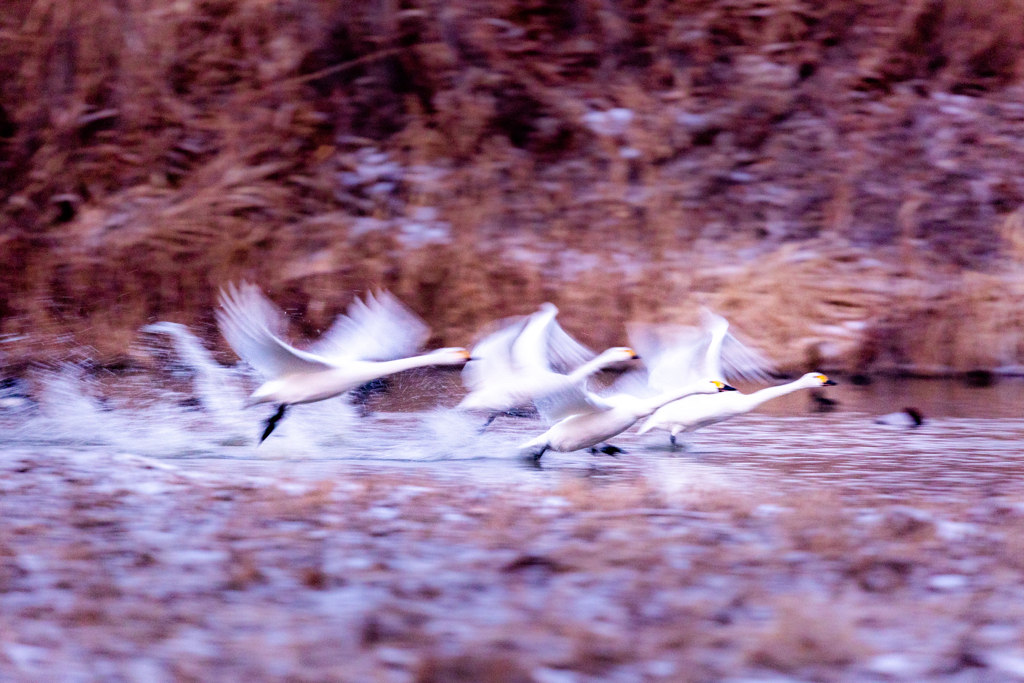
(842,179)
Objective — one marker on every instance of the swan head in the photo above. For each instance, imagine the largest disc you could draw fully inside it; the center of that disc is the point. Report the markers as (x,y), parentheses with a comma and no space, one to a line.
(454,355)
(618,354)
(816,379)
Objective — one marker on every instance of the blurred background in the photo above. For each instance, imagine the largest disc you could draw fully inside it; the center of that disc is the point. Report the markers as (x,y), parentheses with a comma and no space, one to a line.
(843,177)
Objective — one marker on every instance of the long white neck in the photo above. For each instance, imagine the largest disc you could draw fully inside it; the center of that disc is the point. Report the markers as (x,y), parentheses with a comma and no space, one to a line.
(758,397)
(390,367)
(587,369)
(649,405)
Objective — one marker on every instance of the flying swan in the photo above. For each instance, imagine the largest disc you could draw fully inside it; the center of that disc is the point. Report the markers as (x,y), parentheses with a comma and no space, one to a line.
(609,416)
(370,342)
(531,361)
(708,352)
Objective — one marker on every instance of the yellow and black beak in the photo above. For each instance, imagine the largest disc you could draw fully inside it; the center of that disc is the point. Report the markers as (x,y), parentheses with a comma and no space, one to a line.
(826,382)
(722,386)
(635,356)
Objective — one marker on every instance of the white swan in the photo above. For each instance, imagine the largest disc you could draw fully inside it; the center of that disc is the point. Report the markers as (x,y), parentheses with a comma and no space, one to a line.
(533,361)
(685,353)
(693,413)
(366,344)
(616,414)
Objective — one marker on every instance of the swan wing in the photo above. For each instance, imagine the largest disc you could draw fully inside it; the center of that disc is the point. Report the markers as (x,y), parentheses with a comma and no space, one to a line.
(253,327)
(376,328)
(491,363)
(559,405)
(543,346)
(675,355)
(740,362)
(565,354)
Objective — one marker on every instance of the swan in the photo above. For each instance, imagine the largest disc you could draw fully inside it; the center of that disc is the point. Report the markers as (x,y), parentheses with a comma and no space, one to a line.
(609,416)
(370,342)
(515,367)
(693,413)
(679,354)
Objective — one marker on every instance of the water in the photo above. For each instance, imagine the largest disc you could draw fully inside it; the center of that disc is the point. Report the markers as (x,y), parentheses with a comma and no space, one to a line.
(193,414)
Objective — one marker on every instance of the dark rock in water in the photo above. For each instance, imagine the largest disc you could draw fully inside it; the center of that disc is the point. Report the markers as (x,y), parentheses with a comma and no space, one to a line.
(979,378)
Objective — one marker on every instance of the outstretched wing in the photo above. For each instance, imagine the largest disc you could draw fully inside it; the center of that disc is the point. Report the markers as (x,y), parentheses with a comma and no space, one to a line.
(543,346)
(675,355)
(491,358)
(678,355)
(253,327)
(377,328)
(570,401)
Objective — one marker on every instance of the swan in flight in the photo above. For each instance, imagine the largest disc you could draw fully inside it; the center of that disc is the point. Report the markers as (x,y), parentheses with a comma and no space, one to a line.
(609,416)
(531,361)
(373,340)
(709,352)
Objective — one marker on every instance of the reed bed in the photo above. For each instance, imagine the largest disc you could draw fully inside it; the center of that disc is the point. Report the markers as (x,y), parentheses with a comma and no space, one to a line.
(844,178)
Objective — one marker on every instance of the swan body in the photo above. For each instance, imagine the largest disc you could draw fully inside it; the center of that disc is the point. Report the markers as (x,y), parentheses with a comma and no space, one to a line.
(611,415)
(370,342)
(695,412)
(514,367)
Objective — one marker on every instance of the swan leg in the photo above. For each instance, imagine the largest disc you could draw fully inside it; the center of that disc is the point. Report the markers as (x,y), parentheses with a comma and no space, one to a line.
(492,418)
(535,455)
(273,420)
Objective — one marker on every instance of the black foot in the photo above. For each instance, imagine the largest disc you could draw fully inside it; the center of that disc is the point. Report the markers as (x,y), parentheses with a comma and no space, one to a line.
(672,440)
(272,422)
(607,449)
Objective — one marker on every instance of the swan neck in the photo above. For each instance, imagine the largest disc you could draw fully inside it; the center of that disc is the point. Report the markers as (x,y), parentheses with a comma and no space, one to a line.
(758,397)
(586,370)
(388,367)
(664,398)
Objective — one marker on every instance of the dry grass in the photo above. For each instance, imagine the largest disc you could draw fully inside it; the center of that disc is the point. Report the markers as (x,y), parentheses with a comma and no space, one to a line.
(150,152)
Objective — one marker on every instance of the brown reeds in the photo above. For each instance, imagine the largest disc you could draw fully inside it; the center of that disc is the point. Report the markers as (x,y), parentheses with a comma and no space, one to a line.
(801,165)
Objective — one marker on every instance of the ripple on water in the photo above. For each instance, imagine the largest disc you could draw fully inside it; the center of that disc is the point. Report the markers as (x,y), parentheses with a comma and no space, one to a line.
(844,450)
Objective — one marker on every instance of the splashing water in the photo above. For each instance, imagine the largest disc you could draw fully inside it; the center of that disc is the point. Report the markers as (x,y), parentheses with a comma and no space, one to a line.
(213,421)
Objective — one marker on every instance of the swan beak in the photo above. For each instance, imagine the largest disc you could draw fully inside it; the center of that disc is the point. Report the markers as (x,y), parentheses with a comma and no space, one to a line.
(635,356)
(465,354)
(828,383)
(722,386)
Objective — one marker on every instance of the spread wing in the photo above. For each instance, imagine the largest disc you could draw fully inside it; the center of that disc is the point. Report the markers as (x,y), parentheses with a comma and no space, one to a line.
(377,328)
(543,346)
(677,355)
(491,362)
(570,401)
(253,327)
